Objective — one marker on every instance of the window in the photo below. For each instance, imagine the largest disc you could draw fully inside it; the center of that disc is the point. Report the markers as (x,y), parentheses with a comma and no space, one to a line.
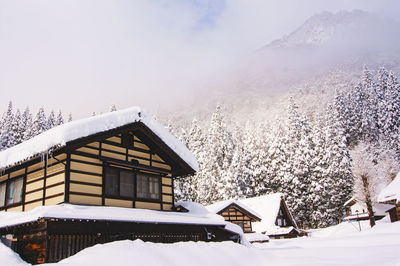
(119,182)
(2,194)
(148,187)
(14,191)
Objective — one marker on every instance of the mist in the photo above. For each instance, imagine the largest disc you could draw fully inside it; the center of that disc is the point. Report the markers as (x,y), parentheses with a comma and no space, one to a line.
(83,56)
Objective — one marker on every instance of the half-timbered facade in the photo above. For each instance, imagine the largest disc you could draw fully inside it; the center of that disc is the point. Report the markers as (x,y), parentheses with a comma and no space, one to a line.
(120,159)
(237,213)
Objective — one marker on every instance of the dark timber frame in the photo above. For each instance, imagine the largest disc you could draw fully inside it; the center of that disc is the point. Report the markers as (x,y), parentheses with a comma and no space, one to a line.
(240,216)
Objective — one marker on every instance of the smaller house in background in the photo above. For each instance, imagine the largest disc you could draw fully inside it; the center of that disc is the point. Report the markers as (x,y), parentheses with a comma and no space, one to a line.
(357,211)
(391,195)
(276,220)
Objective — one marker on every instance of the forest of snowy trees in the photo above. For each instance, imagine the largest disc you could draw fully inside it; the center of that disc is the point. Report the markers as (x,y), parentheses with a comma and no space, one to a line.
(316,159)
(16,127)
(307,159)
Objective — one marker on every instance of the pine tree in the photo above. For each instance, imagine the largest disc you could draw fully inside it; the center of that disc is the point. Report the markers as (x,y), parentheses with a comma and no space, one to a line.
(319,186)
(69,117)
(220,151)
(39,124)
(298,179)
(196,144)
(26,123)
(113,108)
(51,120)
(60,119)
(339,181)
(7,137)
(17,135)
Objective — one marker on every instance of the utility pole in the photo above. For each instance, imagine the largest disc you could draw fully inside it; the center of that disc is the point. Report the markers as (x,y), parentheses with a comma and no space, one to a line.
(358,219)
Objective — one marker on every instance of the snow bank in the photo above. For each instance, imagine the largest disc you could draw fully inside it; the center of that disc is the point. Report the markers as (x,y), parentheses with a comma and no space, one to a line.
(391,192)
(138,252)
(8,257)
(68,211)
(378,246)
(60,135)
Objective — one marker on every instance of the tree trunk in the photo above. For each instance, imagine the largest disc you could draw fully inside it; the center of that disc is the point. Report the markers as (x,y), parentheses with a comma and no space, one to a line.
(368,200)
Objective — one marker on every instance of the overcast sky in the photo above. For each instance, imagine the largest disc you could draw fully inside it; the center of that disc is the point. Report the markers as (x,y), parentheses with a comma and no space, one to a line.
(82,56)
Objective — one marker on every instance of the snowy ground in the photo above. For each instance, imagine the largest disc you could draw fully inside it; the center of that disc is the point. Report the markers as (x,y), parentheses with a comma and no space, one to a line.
(338,245)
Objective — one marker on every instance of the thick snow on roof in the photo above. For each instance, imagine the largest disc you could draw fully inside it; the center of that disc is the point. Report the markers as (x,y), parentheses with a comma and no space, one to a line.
(220,205)
(60,135)
(349,201)
(268,207)
(392,191)
(68,211)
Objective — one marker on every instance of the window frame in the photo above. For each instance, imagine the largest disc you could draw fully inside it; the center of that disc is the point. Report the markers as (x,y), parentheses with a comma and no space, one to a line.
(159,179)
(135,196)
(7,183)
(119,170)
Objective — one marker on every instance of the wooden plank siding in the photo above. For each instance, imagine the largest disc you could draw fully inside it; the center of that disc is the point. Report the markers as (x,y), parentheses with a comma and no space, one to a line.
(236,216)
(43,182)
(76,174)
(87,168)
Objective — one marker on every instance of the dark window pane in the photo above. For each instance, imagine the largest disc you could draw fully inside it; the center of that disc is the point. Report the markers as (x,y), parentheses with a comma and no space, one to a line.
(141,185)
(2,194)
(14,191)
(154,188)
(148,187)
(126,184)
(111,181)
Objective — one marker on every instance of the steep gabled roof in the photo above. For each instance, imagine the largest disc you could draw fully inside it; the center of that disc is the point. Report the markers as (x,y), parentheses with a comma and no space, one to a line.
(268,207)
(62,135)
(220,206)
(391,192)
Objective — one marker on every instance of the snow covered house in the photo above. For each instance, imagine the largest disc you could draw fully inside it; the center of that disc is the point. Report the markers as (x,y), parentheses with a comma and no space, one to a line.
(274,216)
(357,211)
(236,212)
(95,180)
(391,195)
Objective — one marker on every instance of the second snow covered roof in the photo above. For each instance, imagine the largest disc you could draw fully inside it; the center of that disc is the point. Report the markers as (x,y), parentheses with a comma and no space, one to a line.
(217,207)
(60,135)
(391,192)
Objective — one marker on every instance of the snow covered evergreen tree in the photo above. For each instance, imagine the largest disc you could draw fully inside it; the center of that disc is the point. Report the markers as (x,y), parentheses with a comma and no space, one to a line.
(39,124)
(26,123)
(51,120)
(17,135)
(338,172)
(7,136)
(60,119)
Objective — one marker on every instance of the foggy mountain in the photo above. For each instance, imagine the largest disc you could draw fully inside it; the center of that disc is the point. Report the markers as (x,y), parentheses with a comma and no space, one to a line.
(326,42)
(326,53)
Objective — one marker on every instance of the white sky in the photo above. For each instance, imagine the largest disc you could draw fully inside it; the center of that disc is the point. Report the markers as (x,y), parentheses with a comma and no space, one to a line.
(82,56)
